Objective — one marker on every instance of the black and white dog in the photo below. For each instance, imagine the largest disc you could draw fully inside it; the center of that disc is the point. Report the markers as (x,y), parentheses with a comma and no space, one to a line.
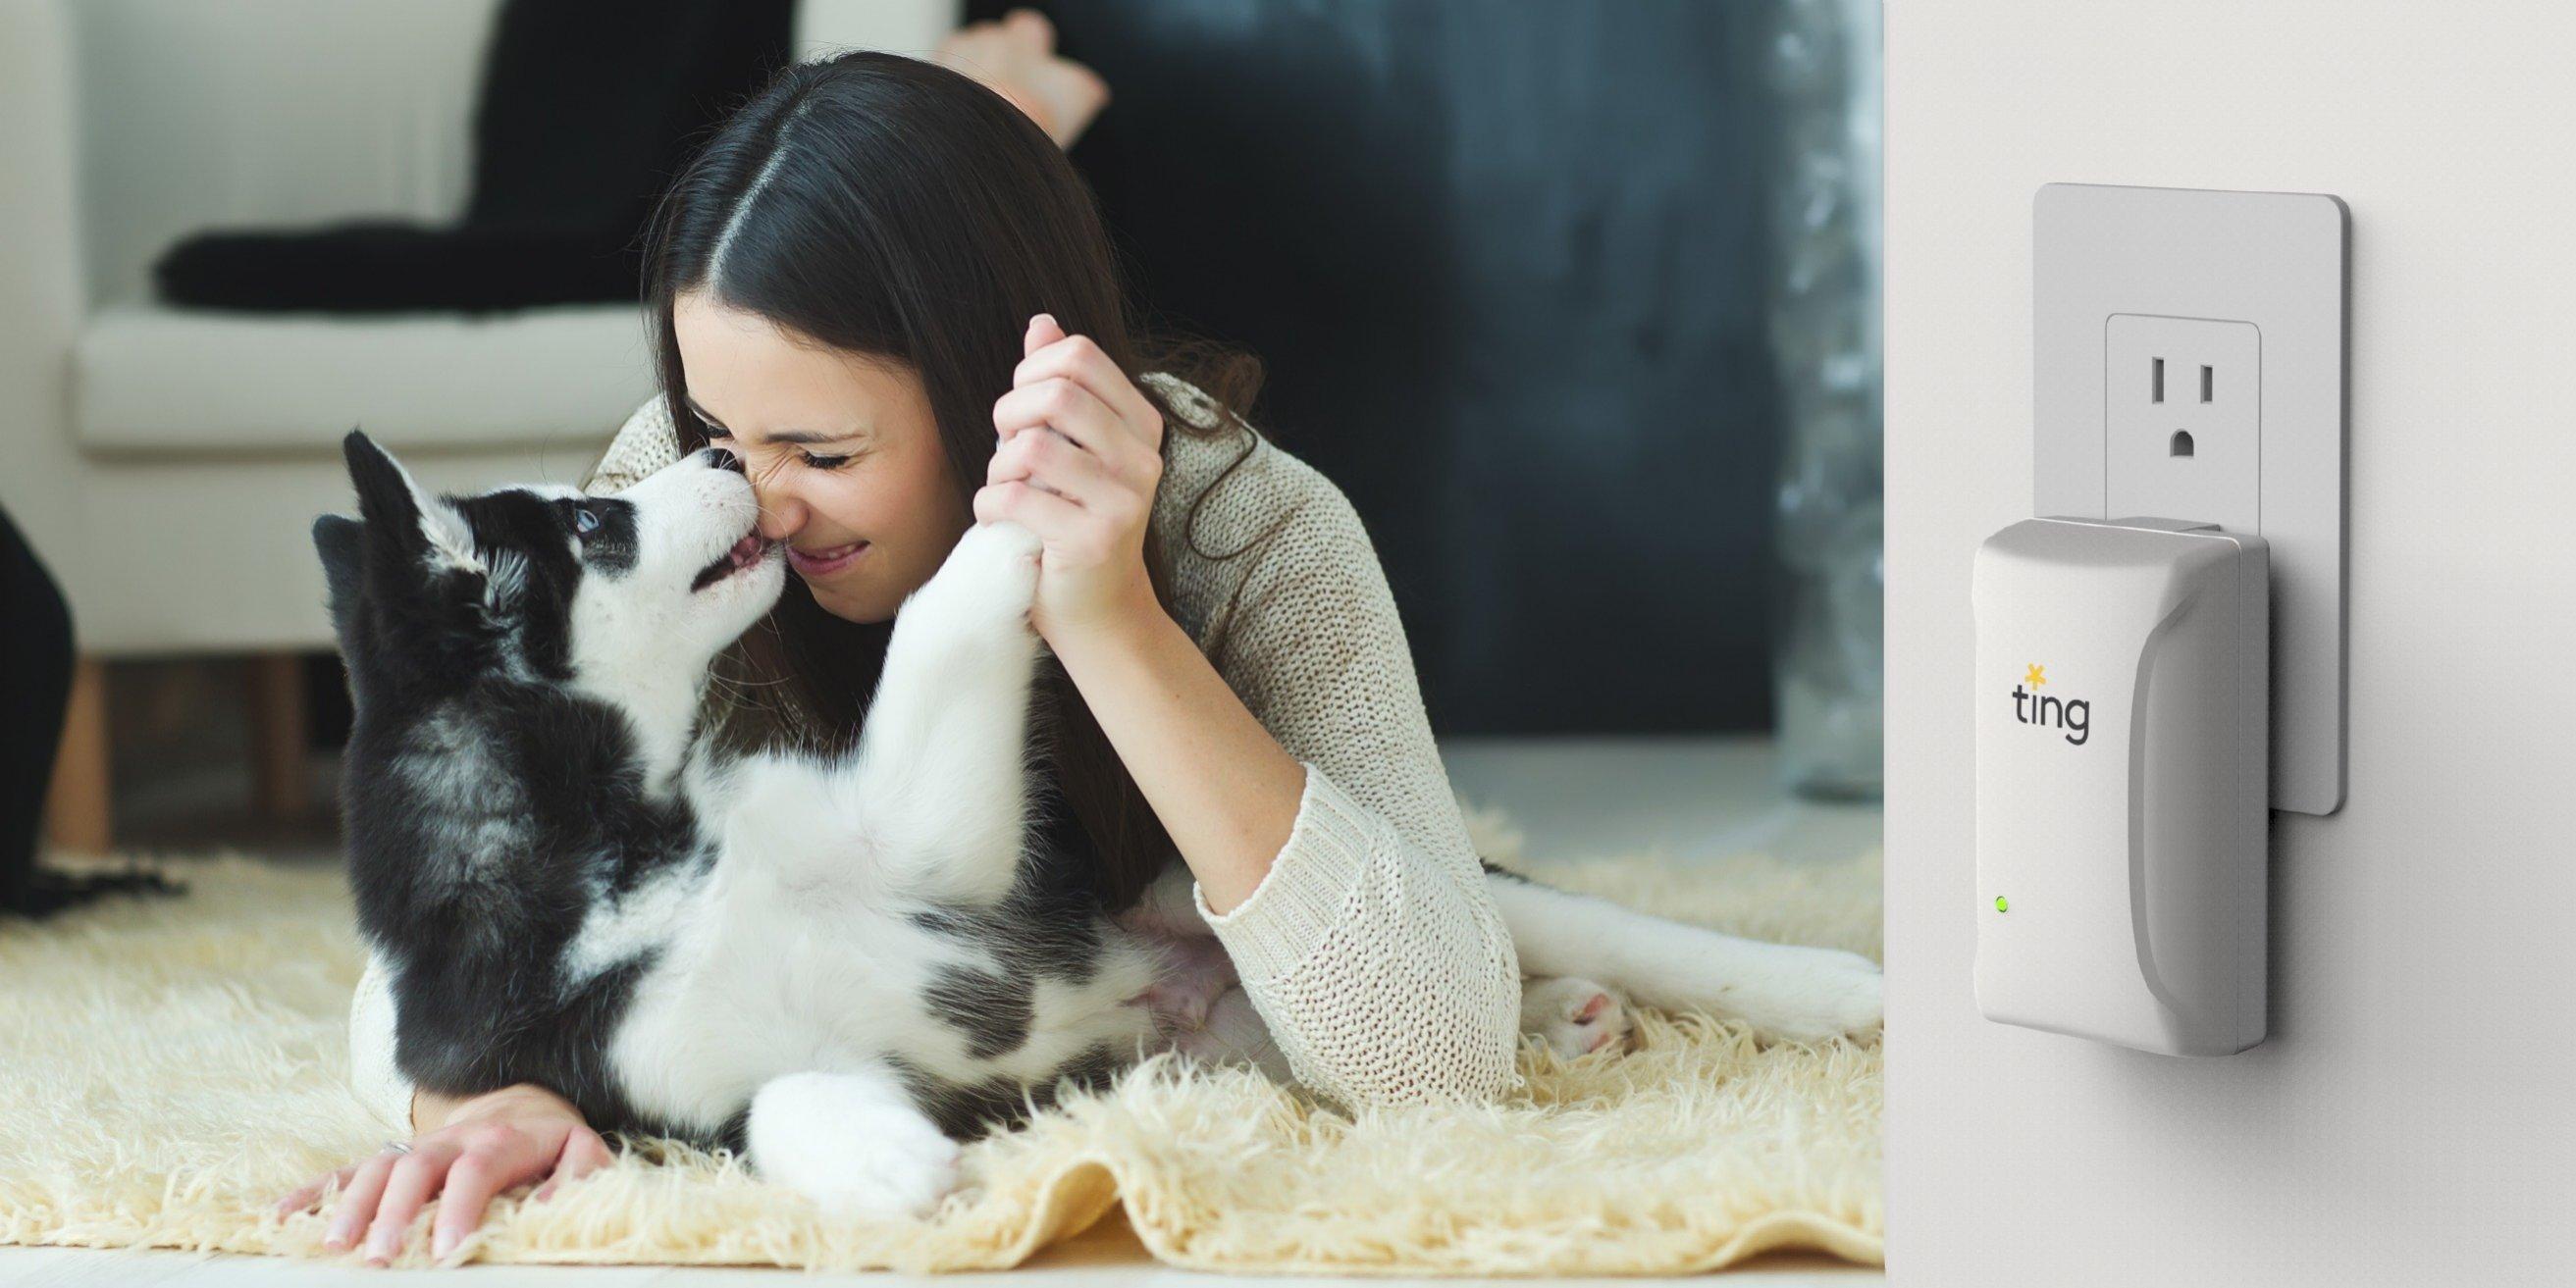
(841,965)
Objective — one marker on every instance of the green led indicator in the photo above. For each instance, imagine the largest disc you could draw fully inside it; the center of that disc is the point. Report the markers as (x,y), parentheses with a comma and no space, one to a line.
(2002,904)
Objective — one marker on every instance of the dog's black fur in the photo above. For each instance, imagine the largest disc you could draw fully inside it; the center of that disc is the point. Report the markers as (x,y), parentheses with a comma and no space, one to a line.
(468,931)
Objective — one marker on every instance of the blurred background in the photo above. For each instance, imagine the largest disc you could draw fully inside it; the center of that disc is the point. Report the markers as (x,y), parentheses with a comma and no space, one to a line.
(1577,303)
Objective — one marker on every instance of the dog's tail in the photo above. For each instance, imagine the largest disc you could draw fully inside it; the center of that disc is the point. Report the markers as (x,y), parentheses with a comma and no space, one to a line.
(1782,990)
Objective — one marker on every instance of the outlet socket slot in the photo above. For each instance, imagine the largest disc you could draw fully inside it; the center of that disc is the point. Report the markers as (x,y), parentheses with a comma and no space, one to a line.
(2188,458)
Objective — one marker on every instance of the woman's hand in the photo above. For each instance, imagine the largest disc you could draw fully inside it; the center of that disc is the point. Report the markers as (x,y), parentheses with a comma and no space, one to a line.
(1080,455)
(488,1144)
(1016,59)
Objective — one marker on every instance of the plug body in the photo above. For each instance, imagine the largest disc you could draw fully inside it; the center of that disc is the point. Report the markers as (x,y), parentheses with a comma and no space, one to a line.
(2122,708)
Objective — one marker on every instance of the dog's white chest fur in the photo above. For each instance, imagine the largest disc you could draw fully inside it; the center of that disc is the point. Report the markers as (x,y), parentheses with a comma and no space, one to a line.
(813,944)
(768,973)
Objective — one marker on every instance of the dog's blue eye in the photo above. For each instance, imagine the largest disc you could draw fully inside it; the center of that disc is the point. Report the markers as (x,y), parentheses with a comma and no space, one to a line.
(584,521)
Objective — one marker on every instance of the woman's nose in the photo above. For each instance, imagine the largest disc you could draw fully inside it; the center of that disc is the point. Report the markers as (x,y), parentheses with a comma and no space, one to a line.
(781,517)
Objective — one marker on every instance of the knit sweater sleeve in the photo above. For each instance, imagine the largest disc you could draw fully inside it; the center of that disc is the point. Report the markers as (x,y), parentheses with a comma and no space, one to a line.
(372,1074)
(1371,948)
(643,444)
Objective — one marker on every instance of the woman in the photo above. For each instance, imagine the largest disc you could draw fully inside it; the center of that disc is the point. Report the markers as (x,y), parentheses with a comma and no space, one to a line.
(842,282)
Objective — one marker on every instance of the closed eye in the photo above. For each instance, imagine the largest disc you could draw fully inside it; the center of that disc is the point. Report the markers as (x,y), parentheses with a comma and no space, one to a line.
(718,434)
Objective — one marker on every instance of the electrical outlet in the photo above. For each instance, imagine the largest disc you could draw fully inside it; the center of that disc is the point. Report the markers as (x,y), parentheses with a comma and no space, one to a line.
(2182,415)
(2240,296)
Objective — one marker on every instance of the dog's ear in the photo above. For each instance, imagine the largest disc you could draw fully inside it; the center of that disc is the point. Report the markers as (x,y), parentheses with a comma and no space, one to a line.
(398,510)
(342,543)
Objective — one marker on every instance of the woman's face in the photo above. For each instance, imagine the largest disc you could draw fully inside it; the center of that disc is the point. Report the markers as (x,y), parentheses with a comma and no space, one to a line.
(841,448)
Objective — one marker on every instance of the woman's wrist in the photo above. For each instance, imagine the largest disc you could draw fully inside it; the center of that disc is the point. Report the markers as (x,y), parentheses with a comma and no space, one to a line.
(1130,623)
(431,1110)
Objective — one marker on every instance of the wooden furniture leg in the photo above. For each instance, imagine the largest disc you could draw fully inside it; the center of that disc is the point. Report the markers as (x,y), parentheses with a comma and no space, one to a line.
(277,722)
(76,802)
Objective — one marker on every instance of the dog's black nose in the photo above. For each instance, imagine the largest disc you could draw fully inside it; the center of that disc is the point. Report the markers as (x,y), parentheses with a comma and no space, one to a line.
(722,459)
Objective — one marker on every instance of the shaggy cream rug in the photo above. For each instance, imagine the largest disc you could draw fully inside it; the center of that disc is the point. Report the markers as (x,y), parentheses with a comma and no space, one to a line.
(169,1068)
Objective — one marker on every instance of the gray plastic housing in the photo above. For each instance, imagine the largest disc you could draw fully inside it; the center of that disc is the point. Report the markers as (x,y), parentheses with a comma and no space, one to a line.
(2122,709)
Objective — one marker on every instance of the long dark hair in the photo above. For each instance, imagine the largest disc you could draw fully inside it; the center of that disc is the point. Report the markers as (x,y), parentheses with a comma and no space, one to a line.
(891,207)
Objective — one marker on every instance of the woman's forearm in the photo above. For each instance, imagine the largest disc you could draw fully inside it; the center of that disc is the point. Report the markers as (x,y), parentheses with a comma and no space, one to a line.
(1222,786)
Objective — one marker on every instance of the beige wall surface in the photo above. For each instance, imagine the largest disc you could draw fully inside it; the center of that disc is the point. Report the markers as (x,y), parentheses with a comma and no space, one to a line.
(2413,1118)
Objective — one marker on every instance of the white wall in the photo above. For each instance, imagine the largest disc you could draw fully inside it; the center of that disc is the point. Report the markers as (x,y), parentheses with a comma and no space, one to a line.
(2413,1118)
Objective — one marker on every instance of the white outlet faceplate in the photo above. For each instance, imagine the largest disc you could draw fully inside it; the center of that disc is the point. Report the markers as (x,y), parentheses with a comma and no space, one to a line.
(2240,296)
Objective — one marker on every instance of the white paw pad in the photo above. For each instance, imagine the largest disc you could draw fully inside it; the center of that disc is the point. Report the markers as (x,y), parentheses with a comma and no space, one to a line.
(1574,1016)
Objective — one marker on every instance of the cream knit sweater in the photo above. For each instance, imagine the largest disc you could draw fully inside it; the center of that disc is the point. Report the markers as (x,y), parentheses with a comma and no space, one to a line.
(1371,949)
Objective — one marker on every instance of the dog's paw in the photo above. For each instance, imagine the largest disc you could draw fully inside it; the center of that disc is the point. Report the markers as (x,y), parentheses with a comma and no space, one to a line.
(1574,1016)
(851,1147)
(983,590)
(1817,993)
(1190,972)
(1235,1034)
(1002,559)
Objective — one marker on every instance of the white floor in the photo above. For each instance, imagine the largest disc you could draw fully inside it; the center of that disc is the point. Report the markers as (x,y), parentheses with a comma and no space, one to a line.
(1692,798)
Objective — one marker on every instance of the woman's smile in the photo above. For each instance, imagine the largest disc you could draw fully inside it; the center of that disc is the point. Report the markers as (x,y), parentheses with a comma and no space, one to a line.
(823,561)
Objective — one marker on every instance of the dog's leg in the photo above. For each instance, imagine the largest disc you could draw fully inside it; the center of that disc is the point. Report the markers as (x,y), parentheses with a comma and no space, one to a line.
(938,785)
(852,1142)
(1782,990)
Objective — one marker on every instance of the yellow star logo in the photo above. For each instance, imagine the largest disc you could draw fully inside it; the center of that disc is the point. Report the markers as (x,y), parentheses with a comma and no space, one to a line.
(2035,678)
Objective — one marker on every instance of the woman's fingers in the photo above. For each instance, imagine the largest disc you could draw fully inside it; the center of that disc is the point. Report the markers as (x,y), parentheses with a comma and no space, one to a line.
(583,1153)
(1081,360)
(1087,439)
(415,1177)
(1043,331)
(471,1183)
(1067,408)
(1046,460)
(358,1201)
(1041,512)
(487,1144)
(496,1161)
(304,1196)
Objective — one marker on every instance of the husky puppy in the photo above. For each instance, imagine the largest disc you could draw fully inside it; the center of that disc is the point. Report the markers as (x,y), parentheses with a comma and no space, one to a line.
(841,966)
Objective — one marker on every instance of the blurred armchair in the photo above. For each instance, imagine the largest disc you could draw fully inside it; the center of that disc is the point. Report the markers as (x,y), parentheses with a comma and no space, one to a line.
(167,463)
